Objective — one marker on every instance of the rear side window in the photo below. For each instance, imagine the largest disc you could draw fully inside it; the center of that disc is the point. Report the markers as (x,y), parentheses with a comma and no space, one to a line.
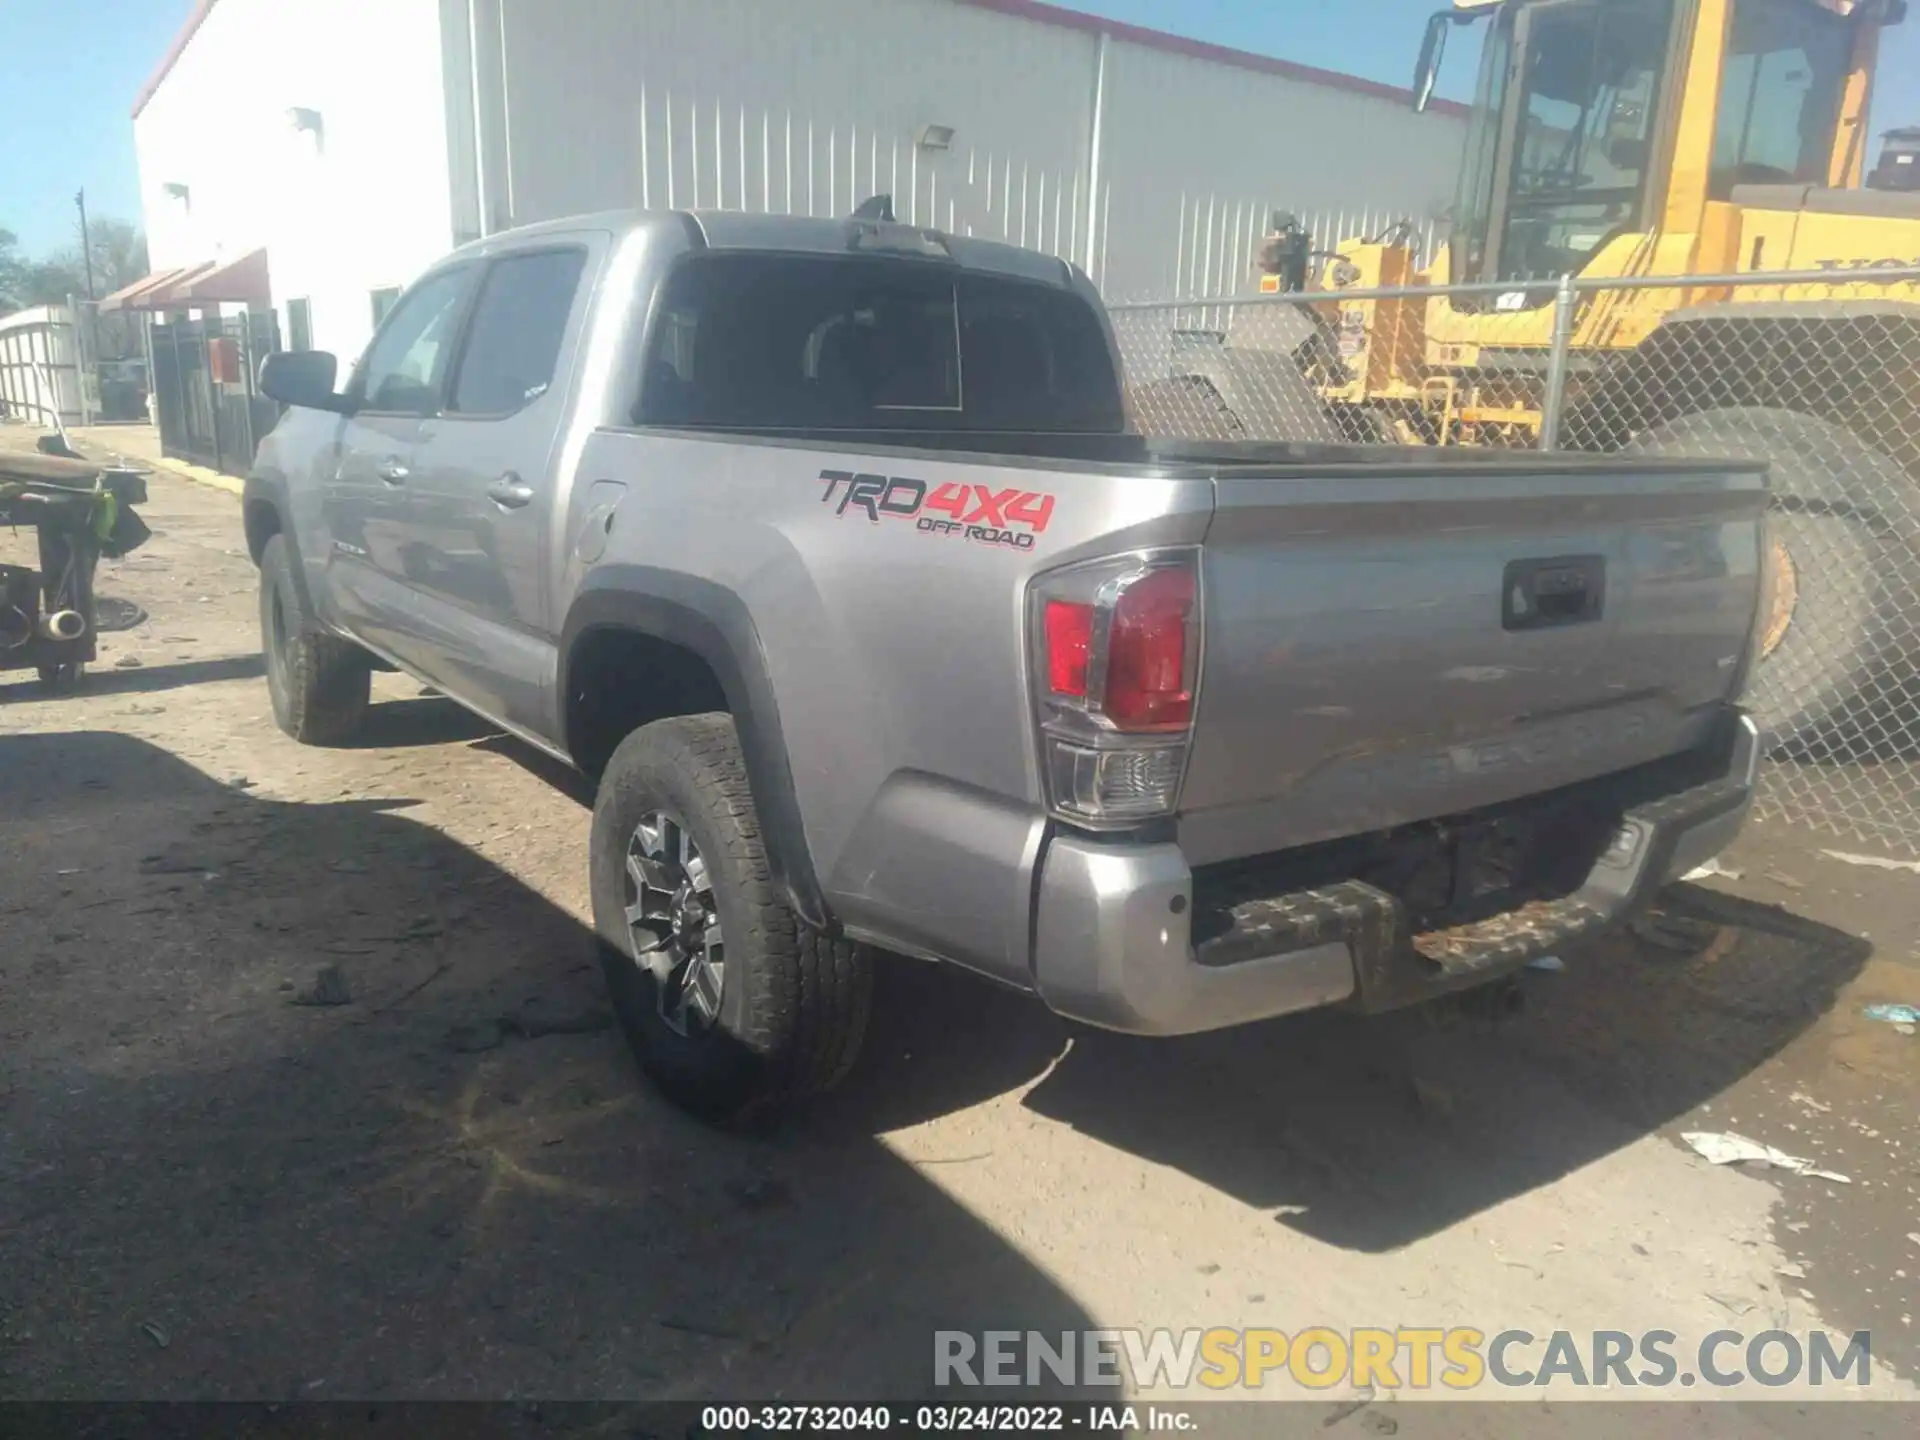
(801,342)
(518,325)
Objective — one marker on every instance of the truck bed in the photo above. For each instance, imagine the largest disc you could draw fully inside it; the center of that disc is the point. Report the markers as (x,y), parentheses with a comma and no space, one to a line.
(1359,671)
(1363,664)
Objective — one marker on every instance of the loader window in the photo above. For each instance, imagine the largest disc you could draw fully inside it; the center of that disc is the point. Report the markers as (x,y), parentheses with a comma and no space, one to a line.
(1786,70)
(1473,205)
(1584,136)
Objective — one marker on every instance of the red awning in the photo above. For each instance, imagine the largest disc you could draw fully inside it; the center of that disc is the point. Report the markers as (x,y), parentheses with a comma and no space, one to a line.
(212,282)
(164,293)
(238,282)
(128,297)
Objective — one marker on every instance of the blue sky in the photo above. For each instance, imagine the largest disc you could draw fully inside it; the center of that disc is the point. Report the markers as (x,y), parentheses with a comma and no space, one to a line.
(69,70)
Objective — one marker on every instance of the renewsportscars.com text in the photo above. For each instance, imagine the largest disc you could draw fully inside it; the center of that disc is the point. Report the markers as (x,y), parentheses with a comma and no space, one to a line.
(1457,1359)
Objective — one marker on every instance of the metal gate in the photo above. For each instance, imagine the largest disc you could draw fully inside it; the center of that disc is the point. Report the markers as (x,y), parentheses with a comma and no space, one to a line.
(205,382)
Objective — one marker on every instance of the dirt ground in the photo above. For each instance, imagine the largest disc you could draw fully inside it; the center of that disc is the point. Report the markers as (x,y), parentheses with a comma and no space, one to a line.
(307,1090)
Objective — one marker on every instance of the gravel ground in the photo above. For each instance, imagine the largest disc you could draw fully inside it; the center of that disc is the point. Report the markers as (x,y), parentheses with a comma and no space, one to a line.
(307,1090)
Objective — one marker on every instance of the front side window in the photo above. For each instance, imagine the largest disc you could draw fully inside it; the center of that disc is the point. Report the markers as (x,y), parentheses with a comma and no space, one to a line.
(803,342)
(1584,137)
(519,323)
(407,361)
(1786,70)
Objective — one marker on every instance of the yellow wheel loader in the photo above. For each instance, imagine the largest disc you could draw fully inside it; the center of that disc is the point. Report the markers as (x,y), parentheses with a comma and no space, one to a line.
(1622,155)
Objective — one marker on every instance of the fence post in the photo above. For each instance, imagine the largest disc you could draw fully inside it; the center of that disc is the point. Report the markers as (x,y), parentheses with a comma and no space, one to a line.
(79,358)
(206,342)
(1553,404)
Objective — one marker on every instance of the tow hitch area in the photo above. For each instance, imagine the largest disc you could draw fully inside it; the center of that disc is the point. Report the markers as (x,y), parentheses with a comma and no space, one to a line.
(1445,905)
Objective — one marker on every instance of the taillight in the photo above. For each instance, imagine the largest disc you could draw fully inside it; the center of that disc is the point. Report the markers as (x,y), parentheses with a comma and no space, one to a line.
(1148,687)
(1069,643)
(1116,665)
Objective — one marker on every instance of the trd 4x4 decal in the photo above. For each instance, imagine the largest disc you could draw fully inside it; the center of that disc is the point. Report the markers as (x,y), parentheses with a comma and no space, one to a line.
(973,512)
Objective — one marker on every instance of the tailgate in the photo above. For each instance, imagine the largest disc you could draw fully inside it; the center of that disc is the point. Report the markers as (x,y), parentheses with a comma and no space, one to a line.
(1395,642)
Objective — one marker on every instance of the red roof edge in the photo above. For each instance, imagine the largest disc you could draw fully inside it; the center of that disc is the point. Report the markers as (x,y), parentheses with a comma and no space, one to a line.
(201,9)
(1036,10)
(1059,15)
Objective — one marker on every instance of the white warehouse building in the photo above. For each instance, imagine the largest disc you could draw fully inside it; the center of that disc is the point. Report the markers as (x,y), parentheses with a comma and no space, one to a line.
(315,155)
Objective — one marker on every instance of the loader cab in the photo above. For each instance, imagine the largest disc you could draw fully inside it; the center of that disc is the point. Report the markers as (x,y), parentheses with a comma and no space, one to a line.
(1600,119)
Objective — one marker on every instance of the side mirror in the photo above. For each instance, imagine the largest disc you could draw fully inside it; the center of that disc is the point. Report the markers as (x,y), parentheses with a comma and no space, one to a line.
(1426,74)
(304,378)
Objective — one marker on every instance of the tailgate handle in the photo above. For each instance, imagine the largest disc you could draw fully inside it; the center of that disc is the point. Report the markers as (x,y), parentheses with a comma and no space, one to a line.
(1540,594)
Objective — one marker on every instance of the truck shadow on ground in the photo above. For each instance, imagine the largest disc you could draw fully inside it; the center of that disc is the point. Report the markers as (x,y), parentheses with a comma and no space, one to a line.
(1369,1133)
(218,1182)
(425,719)
(1372,1133)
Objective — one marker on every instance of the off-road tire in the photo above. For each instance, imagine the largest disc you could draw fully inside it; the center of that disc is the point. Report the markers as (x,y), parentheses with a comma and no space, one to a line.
(794,1002)
(319,683)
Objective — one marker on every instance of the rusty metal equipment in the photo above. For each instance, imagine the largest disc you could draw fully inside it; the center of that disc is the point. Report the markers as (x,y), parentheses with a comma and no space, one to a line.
(79,510)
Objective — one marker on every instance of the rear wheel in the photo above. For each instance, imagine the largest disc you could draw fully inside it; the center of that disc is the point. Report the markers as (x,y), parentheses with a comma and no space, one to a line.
(733,1006)
(319,683)
(1840,579)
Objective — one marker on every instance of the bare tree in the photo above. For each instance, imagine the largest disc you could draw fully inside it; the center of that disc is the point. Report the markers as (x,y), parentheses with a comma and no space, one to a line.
(13,277)
(119,253)
(119,258)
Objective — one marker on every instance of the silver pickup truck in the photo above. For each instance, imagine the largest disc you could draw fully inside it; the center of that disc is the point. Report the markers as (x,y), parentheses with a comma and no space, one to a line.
(826,546)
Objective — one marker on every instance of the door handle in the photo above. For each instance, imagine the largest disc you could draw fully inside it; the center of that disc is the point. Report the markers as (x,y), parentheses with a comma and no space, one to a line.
(392,471)
(510,492)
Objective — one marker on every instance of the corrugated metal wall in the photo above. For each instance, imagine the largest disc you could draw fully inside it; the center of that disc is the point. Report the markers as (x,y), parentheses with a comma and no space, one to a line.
(1200,154)
(444,119)
(810,106)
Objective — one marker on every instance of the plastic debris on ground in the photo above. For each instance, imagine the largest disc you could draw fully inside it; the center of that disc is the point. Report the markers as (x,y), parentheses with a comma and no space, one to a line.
(1873,862)
(1551,963)
(1711,870)
(1901,1015)
(1722,1148)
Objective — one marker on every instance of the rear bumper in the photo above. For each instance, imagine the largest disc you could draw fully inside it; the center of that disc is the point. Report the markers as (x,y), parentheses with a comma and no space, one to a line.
(1121,941)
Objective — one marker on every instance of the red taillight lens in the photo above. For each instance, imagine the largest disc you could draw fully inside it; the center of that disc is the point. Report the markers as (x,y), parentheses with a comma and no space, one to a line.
(1114,649)
(1069,643)
(1147,686)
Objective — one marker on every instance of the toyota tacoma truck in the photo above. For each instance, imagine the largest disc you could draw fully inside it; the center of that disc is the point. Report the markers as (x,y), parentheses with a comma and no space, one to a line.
(826,548)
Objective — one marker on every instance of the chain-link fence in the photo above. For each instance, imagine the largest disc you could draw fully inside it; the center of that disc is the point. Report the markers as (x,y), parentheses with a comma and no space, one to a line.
(1818,373)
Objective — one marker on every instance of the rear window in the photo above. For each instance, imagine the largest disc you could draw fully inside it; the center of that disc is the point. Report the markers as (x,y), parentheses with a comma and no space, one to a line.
(797,342)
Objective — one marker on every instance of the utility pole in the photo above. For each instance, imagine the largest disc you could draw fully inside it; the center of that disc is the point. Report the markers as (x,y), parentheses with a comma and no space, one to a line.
(85,334)
(86,241)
